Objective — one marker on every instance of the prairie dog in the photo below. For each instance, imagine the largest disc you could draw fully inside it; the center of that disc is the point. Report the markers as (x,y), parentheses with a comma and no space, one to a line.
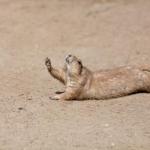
(82,83)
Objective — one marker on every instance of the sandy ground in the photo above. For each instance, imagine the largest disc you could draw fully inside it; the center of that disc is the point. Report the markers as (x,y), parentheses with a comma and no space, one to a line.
(104,34)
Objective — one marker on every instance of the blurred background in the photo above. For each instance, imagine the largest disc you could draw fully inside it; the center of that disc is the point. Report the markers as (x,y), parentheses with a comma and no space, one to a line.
(104,34)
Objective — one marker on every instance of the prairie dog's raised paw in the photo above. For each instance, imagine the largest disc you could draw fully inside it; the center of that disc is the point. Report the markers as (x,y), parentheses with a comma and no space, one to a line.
(48,63)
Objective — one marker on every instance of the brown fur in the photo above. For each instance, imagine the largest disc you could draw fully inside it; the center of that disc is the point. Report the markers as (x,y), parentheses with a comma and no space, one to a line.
(81,83)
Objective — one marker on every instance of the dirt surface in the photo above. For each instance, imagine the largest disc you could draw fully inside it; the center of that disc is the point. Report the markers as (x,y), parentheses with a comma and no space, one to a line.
(104,34)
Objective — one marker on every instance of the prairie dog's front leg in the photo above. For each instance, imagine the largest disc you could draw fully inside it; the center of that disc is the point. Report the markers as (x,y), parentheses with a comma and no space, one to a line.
(58,74)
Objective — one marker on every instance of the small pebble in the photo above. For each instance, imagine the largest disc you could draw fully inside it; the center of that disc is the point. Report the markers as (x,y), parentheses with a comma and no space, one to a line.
(20,108)
(106,125)
(112,144)
(29,98)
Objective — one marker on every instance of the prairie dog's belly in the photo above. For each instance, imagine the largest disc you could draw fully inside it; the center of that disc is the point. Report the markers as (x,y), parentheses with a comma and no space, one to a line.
(113,83)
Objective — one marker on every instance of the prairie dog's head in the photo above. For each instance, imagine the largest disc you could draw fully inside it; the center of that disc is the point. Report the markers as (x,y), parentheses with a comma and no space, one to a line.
(74,65)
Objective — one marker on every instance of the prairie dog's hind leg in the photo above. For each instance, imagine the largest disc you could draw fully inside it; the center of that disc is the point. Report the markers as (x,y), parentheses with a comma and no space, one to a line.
(69,94)
(58,74)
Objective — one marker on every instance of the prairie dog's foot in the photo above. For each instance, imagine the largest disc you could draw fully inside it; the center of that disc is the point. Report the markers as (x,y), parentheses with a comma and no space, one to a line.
(62,96)
(55,97)
(48,63)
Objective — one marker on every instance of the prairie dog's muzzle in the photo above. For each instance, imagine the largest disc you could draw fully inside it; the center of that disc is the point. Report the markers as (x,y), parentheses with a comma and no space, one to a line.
(69,58)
